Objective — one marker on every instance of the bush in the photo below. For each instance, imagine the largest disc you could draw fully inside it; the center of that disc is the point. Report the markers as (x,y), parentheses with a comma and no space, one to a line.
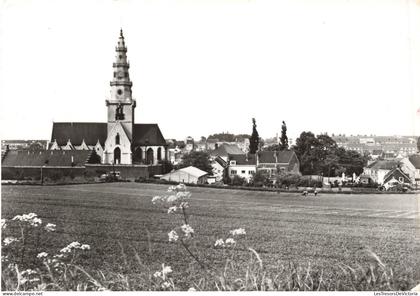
(238,181)
(288,179)
(57,175)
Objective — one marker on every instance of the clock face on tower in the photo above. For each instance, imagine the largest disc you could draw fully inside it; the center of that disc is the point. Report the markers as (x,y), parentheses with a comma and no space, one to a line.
(120,74)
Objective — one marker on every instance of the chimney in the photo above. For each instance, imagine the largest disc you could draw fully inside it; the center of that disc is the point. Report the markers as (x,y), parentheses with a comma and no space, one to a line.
(257,159)
(275,157)
(246,157)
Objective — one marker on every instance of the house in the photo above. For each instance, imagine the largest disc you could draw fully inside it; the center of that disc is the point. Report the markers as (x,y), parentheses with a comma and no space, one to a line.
(219,166)
(211,144)
(274,163)
(189,144)
(242,165)
(411,166)
(225,150)
(376,153)
(394,177)
(378,169)
(189,174)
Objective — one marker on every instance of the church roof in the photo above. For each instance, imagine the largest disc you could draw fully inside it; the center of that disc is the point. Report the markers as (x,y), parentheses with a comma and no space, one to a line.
(48,158)
(90,132)
(148,134)
(284,156)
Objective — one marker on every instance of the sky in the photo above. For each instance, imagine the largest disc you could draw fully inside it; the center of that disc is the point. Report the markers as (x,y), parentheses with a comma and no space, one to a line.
(201,67)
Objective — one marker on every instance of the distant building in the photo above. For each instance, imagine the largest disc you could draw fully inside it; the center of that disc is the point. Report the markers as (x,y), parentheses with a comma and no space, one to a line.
(242,165)
(225,150)
(274,163)
(189,144)
(219,167)
(411,166)
(377,170)
(22,144)
(189,174)
(396,176)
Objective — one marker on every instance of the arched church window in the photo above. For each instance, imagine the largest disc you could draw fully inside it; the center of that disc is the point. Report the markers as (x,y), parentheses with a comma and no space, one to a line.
(117,139)
(159,154)
(119,115)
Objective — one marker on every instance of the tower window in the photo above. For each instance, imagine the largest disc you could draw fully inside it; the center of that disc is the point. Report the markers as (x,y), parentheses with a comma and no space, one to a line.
(120,57)
(119,92)
(117,139)
(125,74)
(115,74)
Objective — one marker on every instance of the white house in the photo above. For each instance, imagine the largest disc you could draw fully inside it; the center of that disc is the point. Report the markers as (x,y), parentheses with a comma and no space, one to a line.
(377,170)
(242,165)
(189,174)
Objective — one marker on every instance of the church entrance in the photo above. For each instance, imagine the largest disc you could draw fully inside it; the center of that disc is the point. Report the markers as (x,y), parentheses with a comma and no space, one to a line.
(117,155)
(149,156)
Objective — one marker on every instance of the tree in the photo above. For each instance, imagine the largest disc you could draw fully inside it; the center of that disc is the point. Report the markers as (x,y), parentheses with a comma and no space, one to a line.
(35,147)
(259,179)
(254,140)
(198,159)
(284,141)
(321,155)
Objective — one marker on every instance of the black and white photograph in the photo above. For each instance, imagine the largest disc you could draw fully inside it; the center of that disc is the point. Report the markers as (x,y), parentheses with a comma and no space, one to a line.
(210,145)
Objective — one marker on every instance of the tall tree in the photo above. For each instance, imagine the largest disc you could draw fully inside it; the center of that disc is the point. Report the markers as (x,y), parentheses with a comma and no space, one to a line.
(284,141)
(254,140)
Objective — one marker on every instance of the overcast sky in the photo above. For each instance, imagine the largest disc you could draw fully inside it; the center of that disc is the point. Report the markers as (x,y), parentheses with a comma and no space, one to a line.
(200,67)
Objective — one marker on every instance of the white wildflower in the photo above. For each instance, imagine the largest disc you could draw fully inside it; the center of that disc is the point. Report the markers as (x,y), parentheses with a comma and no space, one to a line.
(219,243)
(183,195)
(171,188)
(172,209)
(173,236)
(31,216)
(230,241)
(42,255)
(192,289)
(8,240)
(35,222)
(166,270)
(65,250)
(74,245)
(23,280)
(239,231)
(85,247)
(172,199)
(50,227)
(3,224)
(187,229)
(184,205)
(17,217)
(181,187)
(156,199)
(166,284)
(157,274)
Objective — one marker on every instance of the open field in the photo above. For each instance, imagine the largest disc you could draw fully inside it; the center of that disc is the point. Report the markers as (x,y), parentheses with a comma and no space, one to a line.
(331,229)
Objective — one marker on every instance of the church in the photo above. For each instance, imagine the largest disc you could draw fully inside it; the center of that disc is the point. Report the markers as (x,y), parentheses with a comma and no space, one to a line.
(119,140)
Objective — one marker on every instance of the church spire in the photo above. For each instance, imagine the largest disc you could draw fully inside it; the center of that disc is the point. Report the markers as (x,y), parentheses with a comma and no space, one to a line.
(121,84)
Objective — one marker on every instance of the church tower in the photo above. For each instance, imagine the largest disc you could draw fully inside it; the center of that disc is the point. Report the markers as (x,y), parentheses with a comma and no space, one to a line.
(121,107)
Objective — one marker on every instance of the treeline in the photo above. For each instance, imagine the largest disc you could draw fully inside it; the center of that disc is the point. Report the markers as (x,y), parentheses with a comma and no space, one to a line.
(320,155)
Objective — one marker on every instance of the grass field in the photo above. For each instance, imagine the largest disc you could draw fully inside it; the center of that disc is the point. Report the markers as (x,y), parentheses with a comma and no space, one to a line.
(118,219)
